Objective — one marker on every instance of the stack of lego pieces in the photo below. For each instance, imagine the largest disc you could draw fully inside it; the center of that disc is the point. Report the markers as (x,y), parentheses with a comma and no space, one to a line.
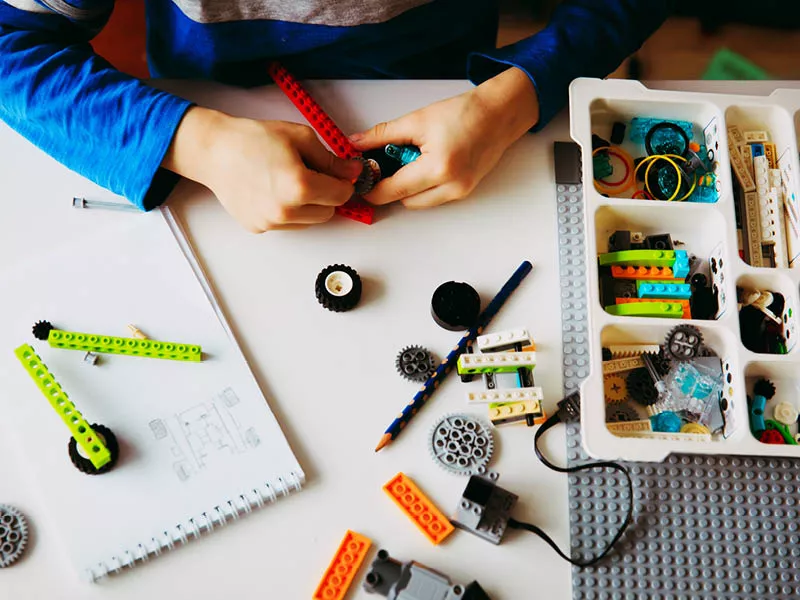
(506,361)
(766,207)
(670,391)
(646,276)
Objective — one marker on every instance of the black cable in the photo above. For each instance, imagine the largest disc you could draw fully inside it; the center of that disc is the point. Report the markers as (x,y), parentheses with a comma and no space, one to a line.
(568,410)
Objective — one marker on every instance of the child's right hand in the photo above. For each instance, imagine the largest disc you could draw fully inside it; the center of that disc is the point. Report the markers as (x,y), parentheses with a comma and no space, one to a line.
(267,174)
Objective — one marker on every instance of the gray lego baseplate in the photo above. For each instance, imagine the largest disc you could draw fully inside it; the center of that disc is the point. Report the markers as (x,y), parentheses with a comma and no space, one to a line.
(725,528)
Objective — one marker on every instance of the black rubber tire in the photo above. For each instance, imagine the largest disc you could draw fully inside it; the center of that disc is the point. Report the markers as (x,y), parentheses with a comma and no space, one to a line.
(338,302)
(83,464)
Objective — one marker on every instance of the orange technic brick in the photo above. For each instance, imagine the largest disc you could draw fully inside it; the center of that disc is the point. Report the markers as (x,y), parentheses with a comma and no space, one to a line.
(687,311)
(658,273)
(343,568)
(428,519)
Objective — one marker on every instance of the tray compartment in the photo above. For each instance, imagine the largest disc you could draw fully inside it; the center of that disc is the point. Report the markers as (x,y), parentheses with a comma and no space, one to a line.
(767,312)
(699,121)
(785,379)
(701,235)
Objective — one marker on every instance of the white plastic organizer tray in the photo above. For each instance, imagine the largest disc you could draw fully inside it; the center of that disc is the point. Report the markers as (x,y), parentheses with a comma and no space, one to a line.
(708,230)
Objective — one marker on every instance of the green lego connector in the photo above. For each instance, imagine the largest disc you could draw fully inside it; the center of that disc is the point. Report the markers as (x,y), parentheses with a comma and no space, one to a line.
(638,258)
(105,344)
(666,310)
(783,430)
(91,444)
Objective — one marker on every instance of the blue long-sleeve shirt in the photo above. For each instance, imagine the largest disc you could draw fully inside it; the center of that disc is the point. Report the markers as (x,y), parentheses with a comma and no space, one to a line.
(115,129)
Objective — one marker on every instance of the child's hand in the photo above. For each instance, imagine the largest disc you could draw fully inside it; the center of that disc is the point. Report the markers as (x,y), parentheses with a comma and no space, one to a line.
(267,174)
(461,140)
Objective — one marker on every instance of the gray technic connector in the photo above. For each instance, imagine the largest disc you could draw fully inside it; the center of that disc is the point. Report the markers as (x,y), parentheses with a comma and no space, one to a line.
(484,509)
(412,581)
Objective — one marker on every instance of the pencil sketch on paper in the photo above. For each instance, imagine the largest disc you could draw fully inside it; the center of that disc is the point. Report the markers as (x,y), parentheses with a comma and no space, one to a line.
(204,433)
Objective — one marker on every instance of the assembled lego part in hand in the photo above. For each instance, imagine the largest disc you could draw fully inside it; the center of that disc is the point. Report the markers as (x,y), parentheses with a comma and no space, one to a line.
(13,535)
(461,444)
(495,362)
(503,340)
(343,567)
(484,509)
(414,581)
(505,413)
(338,288)
(90,442)
(509,395)
(422,512)
(106,344)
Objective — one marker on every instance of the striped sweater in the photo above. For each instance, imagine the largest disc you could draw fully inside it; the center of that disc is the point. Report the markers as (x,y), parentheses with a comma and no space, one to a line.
(115,129)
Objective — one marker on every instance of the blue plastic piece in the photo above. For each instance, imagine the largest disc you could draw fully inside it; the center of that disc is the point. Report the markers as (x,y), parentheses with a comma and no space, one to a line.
(666,421)
(757,149)
(757,408)
(641,125)
(403,154)
(703,194)
(665,291)
(681,266)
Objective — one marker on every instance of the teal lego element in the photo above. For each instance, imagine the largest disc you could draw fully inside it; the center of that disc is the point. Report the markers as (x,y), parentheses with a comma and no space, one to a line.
(728,65)
(681,267)
(666,310)
(666,422)
(403,154)
(638,258)
(641,125)
(105,344)
(664,291)
(782,429)
(601,163)
(757,407)
(91,444)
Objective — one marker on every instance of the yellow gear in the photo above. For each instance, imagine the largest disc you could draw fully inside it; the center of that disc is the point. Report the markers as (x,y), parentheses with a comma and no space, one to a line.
(615,388)
(694,428)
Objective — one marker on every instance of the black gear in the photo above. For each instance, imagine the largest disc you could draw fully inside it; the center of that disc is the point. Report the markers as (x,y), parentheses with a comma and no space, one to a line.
(370,175)
(764,387)
(415,363)
(85,465)
(661,362)
(620,412)
(683,342)
(338,288)
(641,387)
(41,330)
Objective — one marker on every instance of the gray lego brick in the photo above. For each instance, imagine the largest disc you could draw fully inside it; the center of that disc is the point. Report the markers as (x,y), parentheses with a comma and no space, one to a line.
(717,527)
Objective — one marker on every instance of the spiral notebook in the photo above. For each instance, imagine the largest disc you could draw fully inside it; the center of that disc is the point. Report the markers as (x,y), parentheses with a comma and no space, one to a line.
(199,444)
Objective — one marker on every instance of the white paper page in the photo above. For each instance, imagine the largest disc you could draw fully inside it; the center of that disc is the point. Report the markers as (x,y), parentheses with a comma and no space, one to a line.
(193,436)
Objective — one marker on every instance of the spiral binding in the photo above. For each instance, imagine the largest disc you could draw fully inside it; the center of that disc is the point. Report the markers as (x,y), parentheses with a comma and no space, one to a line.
(194,527)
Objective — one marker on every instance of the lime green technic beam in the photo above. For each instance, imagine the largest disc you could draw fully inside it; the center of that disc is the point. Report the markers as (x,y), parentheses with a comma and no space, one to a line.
(106,344)
(91,443)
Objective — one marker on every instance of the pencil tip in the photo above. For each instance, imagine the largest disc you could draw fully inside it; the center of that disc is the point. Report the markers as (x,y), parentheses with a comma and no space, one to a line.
(384,442)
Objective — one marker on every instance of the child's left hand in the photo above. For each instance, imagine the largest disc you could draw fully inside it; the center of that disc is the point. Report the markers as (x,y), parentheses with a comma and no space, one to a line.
(461,140)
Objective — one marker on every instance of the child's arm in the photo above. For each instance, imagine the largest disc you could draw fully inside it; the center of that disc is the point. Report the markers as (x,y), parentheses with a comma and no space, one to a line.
(520,87)
(116,130)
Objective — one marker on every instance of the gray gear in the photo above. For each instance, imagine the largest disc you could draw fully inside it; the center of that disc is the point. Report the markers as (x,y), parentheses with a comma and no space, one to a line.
(683,342)
(415,363)
(13,535)
(461,444)
(621,412)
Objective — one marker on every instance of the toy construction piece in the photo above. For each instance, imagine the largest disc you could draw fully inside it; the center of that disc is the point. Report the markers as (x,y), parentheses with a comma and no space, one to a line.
(41,330)
(641,387)
(415,363)
(455,306)
(621,412)
(338,288)
(83,463)
(461,444)
(615,388)
(13,535)
(683,343)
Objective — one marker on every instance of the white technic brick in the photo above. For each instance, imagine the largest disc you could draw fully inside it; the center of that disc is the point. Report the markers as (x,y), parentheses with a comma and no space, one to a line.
(509,395)
(739,167)
(503,338)
(628,350)
(757,137)
(753,225)
(747,157)
(497,359)
(624,427)
(618,365)
(735,136)
(769,223)
(665,435)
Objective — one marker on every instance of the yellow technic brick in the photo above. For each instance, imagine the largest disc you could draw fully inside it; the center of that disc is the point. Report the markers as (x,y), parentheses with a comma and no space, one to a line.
(771,152)
(343,567)
(422,512)
(630,426)
(659,273)
(502,413)
(618,365)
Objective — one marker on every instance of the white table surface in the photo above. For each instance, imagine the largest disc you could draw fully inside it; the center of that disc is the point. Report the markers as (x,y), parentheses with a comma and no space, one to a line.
(330,378)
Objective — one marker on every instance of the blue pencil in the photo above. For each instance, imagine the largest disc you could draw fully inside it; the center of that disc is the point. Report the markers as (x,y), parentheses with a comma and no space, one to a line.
(450,361)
